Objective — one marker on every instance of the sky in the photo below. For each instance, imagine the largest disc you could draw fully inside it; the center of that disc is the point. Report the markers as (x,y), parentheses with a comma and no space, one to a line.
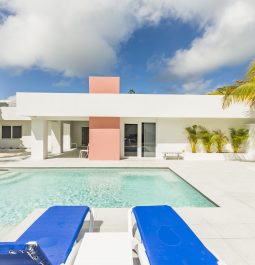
(155,46)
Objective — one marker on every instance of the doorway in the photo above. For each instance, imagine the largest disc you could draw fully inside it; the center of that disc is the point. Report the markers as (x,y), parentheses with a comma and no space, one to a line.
(148,139)
(85,136)
(131,136)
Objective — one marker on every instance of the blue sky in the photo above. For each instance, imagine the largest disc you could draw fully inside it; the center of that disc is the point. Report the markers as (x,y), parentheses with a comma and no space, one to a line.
(139,56)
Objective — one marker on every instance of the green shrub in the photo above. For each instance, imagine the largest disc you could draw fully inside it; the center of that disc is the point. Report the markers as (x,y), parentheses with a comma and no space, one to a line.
(238,138)
(220,140)
(206,138)
(192,133)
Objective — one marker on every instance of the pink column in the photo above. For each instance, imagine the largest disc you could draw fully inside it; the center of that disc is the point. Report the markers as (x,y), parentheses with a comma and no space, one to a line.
(104,132)
(101,84)
(104,138)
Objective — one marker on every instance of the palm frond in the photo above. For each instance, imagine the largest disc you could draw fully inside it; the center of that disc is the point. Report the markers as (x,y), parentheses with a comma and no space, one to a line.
(222,91)
(218,91)
(250,75)
(243,93)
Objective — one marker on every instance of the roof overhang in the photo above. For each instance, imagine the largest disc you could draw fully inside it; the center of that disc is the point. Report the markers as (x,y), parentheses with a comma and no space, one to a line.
(126,105)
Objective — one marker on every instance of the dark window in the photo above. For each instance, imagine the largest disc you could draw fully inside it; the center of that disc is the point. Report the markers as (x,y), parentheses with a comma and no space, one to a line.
(85,136)
(6,132)
(16,132)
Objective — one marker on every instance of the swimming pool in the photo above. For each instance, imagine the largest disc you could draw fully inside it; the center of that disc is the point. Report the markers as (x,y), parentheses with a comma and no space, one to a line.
(22,191)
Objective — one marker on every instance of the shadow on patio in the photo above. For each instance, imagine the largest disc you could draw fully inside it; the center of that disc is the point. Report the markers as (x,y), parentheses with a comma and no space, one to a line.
(74,153)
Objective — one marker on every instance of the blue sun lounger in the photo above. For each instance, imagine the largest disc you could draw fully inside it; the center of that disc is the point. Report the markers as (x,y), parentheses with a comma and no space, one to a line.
(166,239)
(49,240)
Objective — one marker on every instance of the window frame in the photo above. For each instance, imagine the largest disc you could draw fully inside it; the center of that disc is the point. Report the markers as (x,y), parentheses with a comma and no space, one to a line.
(11,132)
(17,126)
(6,126)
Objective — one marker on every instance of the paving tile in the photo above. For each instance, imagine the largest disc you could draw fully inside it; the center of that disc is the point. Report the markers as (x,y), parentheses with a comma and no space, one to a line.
(5,231)
(244,248)
(224,252)
(234,230)
(191,215)
(252,228)
(205,231)
(115,220)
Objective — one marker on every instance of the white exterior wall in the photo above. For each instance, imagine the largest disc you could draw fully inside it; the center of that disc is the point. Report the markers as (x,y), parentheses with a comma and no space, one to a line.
(39,139)
(71,106)
(56,137)
(24,142)
(251,142)
(171,113)
(66,136)
(9,117)
(170,133)
(10,114)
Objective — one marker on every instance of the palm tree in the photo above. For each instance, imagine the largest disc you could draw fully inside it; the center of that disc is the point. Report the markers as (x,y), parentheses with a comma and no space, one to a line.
(220,139)
(192,133)
(238,138)
(241,91)
(131,91)
(206,138)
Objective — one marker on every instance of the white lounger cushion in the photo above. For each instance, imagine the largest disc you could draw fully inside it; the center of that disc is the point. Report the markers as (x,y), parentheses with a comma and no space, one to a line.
(105,249)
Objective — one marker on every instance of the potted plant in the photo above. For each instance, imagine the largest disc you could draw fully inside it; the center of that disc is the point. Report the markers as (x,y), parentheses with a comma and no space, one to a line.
(192,133)
(238,138)
(220,139)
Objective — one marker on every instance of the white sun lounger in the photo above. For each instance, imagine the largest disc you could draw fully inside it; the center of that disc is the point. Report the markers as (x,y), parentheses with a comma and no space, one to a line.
(166,239)
(52,239)
(105,249)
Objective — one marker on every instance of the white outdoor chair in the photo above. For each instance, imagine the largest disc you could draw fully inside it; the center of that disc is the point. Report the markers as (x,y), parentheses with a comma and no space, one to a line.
(84,152)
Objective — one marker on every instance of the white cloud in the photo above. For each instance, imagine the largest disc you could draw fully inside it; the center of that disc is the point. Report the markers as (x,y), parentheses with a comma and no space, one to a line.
(62,83)
(198,86)
(11,101)
(227,41)
(69,36)
(80,36)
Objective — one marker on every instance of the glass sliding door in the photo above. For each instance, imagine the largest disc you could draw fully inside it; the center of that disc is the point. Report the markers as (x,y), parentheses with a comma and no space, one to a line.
(84,136)
(148,139)
(131,131)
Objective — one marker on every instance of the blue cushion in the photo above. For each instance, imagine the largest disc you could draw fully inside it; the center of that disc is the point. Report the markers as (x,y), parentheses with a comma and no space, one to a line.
(22,254)
(168,239)
(56,231)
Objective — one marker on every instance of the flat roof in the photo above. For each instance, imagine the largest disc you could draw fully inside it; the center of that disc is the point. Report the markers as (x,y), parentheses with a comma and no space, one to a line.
(126,105)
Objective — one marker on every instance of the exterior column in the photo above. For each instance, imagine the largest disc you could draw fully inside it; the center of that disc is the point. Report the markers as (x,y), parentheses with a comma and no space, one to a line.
(66,136)
(56,137)
(49,136)
(139,140)
(251,142)
(39,141)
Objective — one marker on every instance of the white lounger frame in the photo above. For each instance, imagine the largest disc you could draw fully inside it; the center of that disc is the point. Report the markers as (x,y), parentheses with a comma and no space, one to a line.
(71,258)
(139,247)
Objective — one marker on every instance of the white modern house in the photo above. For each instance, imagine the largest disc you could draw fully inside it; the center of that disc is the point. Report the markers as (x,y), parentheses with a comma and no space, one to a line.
(114,125)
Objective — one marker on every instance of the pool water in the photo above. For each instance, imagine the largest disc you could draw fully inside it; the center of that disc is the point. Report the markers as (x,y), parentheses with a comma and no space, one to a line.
(22,191)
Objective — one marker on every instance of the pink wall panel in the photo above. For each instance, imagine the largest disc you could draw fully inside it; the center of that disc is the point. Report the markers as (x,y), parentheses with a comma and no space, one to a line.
(98,84)
(104,138)
(104,132)
(104,123)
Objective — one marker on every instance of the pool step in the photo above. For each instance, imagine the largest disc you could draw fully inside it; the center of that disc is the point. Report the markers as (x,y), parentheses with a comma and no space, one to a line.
(8,176)
(4,173)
